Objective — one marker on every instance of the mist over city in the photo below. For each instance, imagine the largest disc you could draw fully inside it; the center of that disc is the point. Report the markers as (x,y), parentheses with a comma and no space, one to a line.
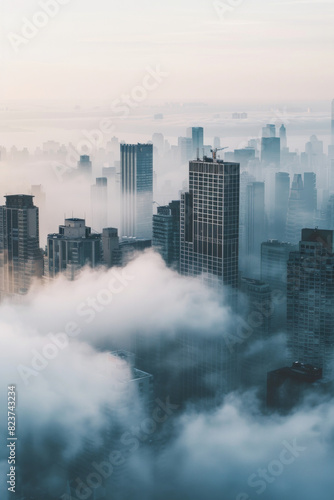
(166,250)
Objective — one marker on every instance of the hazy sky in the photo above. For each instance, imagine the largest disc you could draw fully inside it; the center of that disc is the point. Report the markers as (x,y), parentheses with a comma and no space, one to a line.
(218,50)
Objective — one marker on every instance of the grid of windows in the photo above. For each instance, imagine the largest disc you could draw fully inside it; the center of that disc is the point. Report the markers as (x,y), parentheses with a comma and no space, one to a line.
(310,306)
(212,249)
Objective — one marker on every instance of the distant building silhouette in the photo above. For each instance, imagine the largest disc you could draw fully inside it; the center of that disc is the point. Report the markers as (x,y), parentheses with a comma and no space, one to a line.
(271,150)
(296,218)
(137,190)
(197,135)
(99,199)
(85,166)
(282,192)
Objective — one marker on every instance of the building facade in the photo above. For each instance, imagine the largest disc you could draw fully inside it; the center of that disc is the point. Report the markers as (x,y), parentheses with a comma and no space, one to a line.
(209,249)
(210,221)
(166,233)
(71,249)
(310,301)
(21,259)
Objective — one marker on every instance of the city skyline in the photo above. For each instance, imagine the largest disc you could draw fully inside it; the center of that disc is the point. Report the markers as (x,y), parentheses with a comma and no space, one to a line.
(166,250)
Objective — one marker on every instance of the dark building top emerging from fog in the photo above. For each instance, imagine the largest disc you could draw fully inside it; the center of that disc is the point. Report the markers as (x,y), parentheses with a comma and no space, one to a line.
(19,201)
(287,386)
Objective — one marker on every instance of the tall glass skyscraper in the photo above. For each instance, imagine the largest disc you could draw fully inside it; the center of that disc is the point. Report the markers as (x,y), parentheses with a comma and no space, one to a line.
(209,247)
(20,256)
(137,190)
(296,218)
(197,135)
(282,192)
(210,221)
(310,301)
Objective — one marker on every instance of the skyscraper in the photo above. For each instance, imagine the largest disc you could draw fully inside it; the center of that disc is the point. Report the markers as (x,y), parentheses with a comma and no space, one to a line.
(209,247)
(245,179)
(99,198)
(310,194)
(269,130)
(20,256)
(197,135)
(296,210)
(282,191)
(137,190)
(210,221)
(85,166)
(243,156)
(282,135)
(310,301)
(271,150)
(255,226)
(185,145)
(274,258)
(166,233)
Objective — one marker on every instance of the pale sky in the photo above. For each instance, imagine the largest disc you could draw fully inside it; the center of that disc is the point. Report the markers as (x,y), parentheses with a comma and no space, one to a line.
(256,50)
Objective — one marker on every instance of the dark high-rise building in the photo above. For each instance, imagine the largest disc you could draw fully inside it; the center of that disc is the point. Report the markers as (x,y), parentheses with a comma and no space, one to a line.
(310,301)
(166,233)
(85,166)
(282,192)
(21,259)
(287,386)
(271,150)
(137,190)
(209,248)
(71,249)
(197,135)
(210,221)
